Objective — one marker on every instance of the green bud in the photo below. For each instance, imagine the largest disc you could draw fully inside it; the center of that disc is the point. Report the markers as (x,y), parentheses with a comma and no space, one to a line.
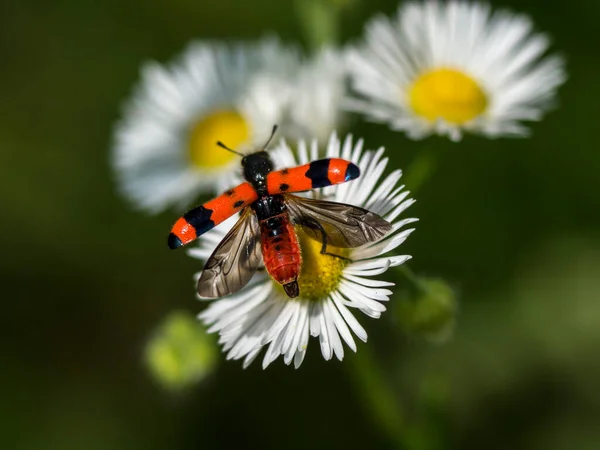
(180,353)
(429,311)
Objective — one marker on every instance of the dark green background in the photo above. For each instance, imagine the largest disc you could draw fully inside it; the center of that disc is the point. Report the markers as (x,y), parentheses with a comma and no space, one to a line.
(512,225)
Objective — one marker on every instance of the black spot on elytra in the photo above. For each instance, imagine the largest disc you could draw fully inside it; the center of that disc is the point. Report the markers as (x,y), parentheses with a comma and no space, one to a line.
(199,218)
(229,193)
(318,173)
(284,187)
(238,203)
(285,172)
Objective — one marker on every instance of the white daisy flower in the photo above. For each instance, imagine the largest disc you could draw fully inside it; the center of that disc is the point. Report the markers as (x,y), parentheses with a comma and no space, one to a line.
(262,315)
(164,147)
(449,67)
(317,95)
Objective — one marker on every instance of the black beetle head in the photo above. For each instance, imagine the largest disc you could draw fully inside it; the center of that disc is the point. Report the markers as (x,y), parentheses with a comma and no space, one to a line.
(257,166)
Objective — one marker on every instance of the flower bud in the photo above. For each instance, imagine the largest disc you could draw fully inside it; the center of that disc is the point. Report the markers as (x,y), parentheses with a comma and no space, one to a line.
(180,353)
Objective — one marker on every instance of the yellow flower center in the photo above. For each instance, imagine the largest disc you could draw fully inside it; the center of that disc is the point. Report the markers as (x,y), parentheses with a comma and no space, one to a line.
(447,94)
(320,274)
(226,126)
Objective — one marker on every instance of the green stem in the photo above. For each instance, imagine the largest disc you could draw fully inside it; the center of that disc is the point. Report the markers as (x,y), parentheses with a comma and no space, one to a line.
(420,170)
(379,397)
(320,22)
(412,278)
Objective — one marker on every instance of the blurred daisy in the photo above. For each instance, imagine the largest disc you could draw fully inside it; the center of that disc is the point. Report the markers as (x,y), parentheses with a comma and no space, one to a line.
(317,94)
(164,147)
(262,315)
(449,67)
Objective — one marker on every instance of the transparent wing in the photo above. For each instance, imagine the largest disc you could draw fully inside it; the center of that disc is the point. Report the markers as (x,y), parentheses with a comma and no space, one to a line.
(234,261)
(337,224)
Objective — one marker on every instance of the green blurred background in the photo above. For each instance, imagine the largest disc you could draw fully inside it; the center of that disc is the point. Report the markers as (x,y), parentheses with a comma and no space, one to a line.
(512,225)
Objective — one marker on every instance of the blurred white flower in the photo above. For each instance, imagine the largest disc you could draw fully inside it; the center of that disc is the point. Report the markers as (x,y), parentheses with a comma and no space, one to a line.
(165,150)
(263,315)
(317,94)
(449,67)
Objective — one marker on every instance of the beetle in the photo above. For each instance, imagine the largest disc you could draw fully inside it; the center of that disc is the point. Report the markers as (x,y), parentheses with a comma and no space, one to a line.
(269,212)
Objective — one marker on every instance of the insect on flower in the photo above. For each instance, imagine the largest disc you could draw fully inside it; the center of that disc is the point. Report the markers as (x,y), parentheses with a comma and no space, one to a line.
(269,212)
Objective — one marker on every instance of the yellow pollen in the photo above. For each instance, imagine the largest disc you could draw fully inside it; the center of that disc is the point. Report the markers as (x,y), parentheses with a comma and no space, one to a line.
(320,274)
(226,126)
(447,94)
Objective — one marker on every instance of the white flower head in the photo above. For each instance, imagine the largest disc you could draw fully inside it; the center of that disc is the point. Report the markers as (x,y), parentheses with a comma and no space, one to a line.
(449,67)
(164,149)
(262,315)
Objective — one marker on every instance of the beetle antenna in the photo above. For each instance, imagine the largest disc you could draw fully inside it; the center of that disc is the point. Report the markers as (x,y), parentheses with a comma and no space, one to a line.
(220,144)
(270,137)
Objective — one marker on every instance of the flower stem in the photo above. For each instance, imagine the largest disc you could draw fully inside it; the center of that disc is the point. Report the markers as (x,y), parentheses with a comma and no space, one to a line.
(379,397)
(412,278)
(382,401)
(320,22)
(420,170)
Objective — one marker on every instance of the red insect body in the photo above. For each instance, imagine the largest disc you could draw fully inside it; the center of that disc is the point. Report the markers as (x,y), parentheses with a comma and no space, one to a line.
(281,250)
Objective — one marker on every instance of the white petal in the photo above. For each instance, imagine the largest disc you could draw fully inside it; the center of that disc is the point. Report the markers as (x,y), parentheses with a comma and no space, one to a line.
(273,351)
(356,267)
(324,334)
(280,322)
(341,325)
(250,357)
(315,323)
(348,317)
(378,294)
(384,246)
(299,357)
(368,281)
(332,331)
(301,329)
(293,328)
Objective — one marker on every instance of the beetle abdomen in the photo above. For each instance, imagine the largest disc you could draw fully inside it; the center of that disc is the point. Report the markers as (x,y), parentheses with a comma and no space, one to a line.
(281,251)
